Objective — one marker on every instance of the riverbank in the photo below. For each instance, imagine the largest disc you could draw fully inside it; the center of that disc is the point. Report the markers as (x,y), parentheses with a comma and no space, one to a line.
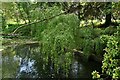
(14,42)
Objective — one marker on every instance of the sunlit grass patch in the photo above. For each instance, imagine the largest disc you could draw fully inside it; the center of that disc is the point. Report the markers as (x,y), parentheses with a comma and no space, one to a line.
(12,21)
(90,22)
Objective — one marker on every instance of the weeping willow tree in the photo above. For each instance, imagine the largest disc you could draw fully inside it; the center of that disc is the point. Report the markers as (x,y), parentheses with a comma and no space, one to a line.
(58,39)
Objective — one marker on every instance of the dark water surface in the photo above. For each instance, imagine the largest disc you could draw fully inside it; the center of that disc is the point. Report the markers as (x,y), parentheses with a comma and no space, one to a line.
(26,61)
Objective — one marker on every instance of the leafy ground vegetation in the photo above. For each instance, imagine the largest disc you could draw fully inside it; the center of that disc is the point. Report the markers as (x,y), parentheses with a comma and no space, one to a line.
(90,29)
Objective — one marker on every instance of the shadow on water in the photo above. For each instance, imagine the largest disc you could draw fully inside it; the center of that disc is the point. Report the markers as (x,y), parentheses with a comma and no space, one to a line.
(26,61)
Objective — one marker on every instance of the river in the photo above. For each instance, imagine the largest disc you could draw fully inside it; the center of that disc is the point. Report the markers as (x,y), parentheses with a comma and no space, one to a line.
(27,61)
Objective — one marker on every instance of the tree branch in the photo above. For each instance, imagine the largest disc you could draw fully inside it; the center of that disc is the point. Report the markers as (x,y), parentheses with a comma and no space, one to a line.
(37,22)
(70,10)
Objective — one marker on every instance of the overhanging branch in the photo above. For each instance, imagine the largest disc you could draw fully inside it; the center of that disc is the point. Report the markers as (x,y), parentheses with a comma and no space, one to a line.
(37,22)
(70,10)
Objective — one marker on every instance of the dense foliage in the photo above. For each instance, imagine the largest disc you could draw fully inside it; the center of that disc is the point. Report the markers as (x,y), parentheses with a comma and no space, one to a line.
(111,61)
(62,27)
(58,39)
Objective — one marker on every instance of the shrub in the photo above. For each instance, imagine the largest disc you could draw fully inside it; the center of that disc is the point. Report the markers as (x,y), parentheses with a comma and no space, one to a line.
(111,61)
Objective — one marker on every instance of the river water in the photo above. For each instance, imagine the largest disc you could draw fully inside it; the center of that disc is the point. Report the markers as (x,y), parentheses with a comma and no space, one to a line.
(26,61)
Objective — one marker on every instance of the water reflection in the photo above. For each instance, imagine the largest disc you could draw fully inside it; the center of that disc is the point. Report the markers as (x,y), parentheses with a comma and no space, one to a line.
(26,61)
(26,66)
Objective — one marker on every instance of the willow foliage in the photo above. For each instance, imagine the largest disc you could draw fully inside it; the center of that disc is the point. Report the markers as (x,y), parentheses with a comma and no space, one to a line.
(58,39)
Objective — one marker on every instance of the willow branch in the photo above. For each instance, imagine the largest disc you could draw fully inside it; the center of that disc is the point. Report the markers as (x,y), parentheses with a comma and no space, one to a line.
(37,21)
(70,10)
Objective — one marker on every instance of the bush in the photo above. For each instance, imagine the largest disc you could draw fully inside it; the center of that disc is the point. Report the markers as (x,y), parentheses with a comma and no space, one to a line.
(88,40)
(111,61)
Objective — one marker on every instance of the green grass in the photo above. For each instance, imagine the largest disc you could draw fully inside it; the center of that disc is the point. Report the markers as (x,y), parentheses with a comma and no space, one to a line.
(12,21)
(95,22)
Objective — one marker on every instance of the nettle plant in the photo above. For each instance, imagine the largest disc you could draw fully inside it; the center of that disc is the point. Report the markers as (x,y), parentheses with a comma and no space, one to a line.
(111,61)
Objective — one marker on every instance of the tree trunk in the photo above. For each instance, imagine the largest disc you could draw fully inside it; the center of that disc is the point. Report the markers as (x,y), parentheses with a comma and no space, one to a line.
(108,15)
(108,20)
